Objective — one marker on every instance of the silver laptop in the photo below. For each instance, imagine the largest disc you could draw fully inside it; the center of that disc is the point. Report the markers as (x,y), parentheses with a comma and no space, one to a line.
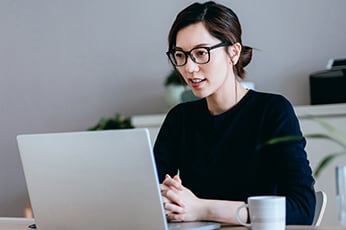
(95,180)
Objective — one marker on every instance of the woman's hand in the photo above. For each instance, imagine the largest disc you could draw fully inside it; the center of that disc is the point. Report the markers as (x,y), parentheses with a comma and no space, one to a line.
(179,202)
(182,205)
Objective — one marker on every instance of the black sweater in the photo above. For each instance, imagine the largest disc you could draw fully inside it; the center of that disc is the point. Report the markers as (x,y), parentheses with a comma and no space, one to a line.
(224,156)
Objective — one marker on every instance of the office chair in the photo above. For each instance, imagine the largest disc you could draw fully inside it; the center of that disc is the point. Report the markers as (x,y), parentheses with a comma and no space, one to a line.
(321,203)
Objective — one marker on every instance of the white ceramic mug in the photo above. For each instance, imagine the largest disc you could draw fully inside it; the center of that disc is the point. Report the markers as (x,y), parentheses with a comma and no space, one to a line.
(265,212)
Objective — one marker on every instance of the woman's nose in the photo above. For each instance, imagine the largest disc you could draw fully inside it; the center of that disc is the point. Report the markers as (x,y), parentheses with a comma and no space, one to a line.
(190,65)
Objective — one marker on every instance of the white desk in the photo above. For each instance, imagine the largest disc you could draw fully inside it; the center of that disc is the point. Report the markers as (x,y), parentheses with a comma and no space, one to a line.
(15,223)
(23,223)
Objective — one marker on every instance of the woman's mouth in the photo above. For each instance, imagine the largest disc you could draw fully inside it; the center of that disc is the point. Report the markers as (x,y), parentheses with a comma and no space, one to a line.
(196,82)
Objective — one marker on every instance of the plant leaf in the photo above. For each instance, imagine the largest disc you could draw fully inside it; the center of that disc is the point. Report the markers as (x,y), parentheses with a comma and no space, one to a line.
(118,121)
(326,161)
(278,140)
(334,133)
(328,137)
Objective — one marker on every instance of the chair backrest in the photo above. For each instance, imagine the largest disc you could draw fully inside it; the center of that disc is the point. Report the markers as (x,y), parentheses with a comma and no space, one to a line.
(321,203)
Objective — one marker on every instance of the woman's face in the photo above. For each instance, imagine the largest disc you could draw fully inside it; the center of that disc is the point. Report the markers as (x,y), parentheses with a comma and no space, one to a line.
(211,78)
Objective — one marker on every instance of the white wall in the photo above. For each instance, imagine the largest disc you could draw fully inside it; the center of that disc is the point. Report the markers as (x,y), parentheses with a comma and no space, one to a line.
(64,64)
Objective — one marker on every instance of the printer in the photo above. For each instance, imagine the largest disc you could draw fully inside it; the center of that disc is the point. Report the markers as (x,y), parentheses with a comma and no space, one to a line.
(329,86)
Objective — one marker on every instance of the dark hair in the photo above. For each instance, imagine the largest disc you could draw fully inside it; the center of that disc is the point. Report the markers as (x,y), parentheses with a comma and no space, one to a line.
(220,21)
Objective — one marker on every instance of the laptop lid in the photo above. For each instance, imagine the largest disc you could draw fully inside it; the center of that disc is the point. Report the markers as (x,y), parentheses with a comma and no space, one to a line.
(93,180)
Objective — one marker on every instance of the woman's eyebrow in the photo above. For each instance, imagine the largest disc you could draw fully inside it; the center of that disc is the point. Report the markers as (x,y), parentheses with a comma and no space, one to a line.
(196,46)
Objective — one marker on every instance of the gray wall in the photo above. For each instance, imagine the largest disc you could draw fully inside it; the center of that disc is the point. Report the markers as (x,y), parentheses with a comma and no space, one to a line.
(64,64)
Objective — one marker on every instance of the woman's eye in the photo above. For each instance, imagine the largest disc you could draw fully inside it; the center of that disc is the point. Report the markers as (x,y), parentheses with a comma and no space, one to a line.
(201,53)
(179,55)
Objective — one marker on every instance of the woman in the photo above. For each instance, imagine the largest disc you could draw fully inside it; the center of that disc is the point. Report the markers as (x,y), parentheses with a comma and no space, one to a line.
(217,143)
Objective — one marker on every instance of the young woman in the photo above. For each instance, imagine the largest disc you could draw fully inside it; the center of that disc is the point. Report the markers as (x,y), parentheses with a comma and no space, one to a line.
(211,153)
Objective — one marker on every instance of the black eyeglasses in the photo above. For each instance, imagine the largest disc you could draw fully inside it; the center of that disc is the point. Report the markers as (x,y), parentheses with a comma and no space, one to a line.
(199,55)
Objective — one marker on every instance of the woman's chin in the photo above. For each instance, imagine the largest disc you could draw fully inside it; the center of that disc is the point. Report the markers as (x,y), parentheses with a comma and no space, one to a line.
(200,93)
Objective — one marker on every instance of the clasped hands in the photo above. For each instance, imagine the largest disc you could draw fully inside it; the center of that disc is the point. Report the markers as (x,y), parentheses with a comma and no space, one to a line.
(179,202)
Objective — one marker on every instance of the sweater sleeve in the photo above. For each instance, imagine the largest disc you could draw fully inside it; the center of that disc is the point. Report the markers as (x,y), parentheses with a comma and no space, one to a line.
(165,147)
(294,175)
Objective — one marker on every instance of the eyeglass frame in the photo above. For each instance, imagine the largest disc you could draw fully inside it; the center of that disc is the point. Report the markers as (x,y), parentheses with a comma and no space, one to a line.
(189,53)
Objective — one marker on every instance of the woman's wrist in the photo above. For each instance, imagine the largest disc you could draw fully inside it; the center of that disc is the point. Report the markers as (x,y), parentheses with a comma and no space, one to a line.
(210,210)
(204,210)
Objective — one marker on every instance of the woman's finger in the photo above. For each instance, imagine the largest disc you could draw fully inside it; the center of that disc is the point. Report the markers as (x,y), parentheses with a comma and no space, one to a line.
(172,196)
(163,187)
(174,217)
(177,178)
(172,183)
(165,200)
(173,208)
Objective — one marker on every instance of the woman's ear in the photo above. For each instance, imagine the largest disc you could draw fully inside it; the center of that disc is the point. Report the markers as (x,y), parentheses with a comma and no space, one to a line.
(234,52)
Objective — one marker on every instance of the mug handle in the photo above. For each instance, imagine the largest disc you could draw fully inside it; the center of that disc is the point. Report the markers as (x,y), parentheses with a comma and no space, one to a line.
(238,217)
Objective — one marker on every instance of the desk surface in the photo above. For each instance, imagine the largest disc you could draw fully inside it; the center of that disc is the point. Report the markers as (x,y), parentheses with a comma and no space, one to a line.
(23,223)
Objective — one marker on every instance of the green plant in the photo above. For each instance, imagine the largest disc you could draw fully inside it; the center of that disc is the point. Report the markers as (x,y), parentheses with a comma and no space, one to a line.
(173,78)
(117,122)
(333,134)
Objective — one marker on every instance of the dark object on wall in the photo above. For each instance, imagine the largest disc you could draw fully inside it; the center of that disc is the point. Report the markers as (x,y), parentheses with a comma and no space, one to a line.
(328,86)
(341,62)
